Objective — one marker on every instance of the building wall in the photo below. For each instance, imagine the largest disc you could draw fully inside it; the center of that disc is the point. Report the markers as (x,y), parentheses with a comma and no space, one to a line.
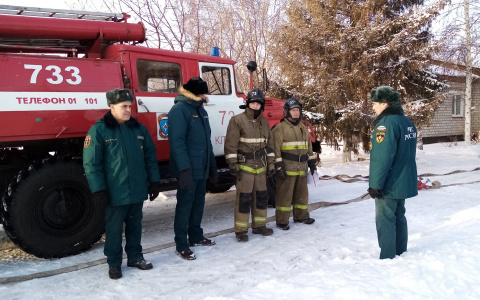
(444,124)
(476,111)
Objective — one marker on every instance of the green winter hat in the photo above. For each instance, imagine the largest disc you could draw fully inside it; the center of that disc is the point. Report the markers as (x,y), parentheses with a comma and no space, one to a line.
(385,94)
(119,95)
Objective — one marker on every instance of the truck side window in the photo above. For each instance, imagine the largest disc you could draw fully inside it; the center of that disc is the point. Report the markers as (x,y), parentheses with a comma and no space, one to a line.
(238,84)
(218,80)
(158,76)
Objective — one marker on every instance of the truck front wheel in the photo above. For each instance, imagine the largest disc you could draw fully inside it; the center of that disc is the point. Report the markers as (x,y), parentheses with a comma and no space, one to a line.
(225,182)
(48,210)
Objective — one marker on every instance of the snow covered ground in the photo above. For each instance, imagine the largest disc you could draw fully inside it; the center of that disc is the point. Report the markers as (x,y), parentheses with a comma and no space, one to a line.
(335,258)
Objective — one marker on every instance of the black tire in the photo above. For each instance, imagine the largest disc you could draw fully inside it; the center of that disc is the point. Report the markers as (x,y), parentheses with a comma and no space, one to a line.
(48,210)
(225,182)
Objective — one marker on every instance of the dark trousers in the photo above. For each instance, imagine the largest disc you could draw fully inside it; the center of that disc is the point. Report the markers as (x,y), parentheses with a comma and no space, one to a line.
(392,229)
(115,216)
(189,214)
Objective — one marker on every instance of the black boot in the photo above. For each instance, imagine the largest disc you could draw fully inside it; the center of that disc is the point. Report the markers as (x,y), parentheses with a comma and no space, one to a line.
(305,221)
(262,230)
(115,272)
(141,264)
(283,226)
(242,237)
(186,254)
(204,242)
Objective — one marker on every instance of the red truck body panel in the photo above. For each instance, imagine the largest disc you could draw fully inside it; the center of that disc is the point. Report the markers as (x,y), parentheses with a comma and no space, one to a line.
(46,97)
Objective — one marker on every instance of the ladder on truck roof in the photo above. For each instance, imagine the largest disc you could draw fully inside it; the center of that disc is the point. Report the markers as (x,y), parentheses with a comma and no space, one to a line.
(61,13)
(45,30)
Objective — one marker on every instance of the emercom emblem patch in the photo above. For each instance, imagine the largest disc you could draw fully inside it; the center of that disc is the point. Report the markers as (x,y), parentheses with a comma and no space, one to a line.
(87,141)
(380,137)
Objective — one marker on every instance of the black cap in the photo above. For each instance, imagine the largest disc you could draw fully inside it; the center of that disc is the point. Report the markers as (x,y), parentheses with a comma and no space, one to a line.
(196,86)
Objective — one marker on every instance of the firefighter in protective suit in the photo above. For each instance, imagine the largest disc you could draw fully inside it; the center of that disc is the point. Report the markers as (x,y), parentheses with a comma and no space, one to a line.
(249,154)
(293,158)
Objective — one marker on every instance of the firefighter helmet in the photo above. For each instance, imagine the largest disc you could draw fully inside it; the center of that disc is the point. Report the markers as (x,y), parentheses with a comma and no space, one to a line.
(289,105)
(256,95)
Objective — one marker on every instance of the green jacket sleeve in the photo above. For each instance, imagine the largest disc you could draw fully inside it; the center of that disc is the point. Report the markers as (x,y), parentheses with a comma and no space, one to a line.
(384,149)
(93,160)
(151,163)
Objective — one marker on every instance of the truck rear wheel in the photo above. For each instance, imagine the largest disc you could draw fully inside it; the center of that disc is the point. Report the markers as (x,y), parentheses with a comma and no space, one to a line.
(48,210)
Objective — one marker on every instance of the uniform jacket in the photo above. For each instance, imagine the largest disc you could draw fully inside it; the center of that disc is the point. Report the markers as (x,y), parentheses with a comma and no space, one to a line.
(189,136)
(247,135)
(392,155)
(293,139)
(121,159)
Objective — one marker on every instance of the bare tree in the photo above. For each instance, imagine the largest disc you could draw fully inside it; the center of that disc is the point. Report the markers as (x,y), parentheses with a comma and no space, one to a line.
(242,29)
(164,19)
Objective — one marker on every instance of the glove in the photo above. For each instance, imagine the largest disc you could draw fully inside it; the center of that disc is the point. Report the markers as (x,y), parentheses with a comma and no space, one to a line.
(234,170)
(312,166)
(280,170)
(153,190)
(101,196)
(185,181)
(213,174)
(374,193)
(271,170)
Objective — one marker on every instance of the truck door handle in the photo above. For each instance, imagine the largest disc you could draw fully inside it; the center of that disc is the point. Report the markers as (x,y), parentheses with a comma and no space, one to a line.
(140,102)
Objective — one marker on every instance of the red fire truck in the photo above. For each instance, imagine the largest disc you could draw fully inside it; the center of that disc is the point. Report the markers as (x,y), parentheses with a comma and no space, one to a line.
(55,70)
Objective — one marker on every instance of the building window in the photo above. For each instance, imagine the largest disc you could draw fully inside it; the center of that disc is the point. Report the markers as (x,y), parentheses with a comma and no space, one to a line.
(158,76)
(218,80)
(457,106)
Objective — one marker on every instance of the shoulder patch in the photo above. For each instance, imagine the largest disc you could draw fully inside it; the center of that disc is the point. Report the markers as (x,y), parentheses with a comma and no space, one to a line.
(380,137)
(381,128)
(87,141)
(370,145)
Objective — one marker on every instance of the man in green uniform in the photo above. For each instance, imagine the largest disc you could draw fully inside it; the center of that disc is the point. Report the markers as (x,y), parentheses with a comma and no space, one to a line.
(121,167)
(249,154)
(293,158)
(393,170)
(192,162)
